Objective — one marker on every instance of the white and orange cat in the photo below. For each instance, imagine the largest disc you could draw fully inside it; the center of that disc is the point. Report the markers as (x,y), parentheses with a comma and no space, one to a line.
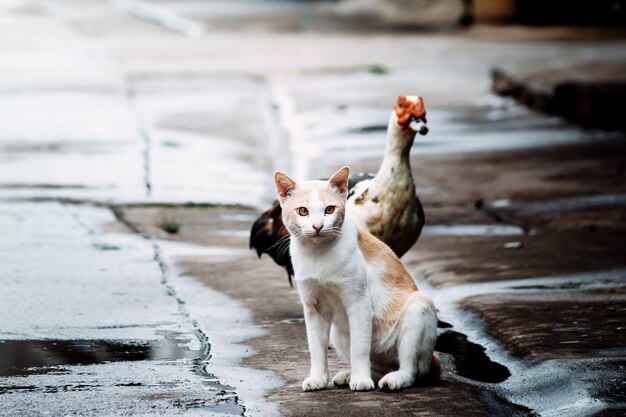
(355,290)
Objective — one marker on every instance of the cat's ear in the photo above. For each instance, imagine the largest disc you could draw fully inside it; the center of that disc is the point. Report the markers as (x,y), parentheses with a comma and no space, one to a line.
(284,185)
(340,180)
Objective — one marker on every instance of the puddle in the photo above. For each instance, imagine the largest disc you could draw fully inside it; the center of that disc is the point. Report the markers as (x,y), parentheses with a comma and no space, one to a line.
(49,389)
(34,357)
(470,359)
(584,281)
(472,230)
(566,204)
(576,387)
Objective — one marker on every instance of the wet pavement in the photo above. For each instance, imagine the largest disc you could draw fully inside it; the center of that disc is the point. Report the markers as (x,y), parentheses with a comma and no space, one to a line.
(121,117)
(88,314)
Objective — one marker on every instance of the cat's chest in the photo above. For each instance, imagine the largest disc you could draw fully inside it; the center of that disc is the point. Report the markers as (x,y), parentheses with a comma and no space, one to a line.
(329,267)
(331,262)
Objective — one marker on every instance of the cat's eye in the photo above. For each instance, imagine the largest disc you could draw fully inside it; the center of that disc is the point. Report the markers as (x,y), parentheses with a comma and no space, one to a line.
(303,211)
(329,210)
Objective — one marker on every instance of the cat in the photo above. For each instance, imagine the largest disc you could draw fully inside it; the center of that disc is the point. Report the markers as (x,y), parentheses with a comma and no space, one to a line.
(354,289)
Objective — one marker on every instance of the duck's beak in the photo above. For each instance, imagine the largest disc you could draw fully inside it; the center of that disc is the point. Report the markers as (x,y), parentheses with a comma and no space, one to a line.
(419,126)
(417,123)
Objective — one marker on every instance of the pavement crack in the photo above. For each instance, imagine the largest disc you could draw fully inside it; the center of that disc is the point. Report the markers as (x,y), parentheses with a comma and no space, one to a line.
(76,216)
(146,141)
(200,363)
(182,307)
(147,158)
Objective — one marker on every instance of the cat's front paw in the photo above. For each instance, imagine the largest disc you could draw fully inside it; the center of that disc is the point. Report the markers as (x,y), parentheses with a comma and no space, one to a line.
(315,383)
(395,381)
(342,379)
(361,383)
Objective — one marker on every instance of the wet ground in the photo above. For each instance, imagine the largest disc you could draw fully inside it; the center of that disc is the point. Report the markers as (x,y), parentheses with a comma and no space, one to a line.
(123,120)
(534,329)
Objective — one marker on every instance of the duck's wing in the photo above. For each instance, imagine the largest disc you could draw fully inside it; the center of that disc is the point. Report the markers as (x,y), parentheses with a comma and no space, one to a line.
(421,216)
(378,218)
(358,184)
(357,178)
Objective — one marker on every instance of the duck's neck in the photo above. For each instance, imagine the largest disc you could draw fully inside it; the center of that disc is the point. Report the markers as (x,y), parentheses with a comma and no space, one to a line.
(398,149)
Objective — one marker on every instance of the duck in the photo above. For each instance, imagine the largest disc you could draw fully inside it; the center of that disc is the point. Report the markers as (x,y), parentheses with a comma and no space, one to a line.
(385,203)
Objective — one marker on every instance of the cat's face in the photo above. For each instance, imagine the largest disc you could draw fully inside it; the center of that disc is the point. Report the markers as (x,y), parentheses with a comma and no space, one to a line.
(313,210)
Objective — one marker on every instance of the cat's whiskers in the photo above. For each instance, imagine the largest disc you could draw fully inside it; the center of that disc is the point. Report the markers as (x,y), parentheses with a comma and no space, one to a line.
(279,242)
(298,234)
(282,250)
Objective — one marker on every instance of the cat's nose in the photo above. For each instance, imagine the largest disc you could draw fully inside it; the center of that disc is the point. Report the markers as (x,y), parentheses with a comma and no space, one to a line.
(318,228)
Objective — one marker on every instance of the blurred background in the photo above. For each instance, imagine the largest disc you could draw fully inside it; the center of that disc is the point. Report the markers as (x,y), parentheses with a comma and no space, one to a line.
(138,142)
(131,100)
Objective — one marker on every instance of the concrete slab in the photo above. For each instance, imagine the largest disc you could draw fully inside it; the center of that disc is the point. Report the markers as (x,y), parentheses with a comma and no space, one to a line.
(206,140)
(98,322)
(540,327)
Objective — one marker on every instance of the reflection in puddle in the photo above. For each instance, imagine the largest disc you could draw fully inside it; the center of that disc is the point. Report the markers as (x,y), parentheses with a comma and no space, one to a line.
(470,358)
(472,230)
(28,357)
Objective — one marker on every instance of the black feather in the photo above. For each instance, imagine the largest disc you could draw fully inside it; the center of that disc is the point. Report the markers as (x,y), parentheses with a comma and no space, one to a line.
(269,235)
(357,178)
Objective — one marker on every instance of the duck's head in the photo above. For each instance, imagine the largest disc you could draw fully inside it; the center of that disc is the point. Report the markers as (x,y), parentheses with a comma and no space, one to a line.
(411,114)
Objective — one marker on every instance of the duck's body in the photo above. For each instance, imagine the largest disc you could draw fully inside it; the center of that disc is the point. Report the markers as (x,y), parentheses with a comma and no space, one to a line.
(385,204)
